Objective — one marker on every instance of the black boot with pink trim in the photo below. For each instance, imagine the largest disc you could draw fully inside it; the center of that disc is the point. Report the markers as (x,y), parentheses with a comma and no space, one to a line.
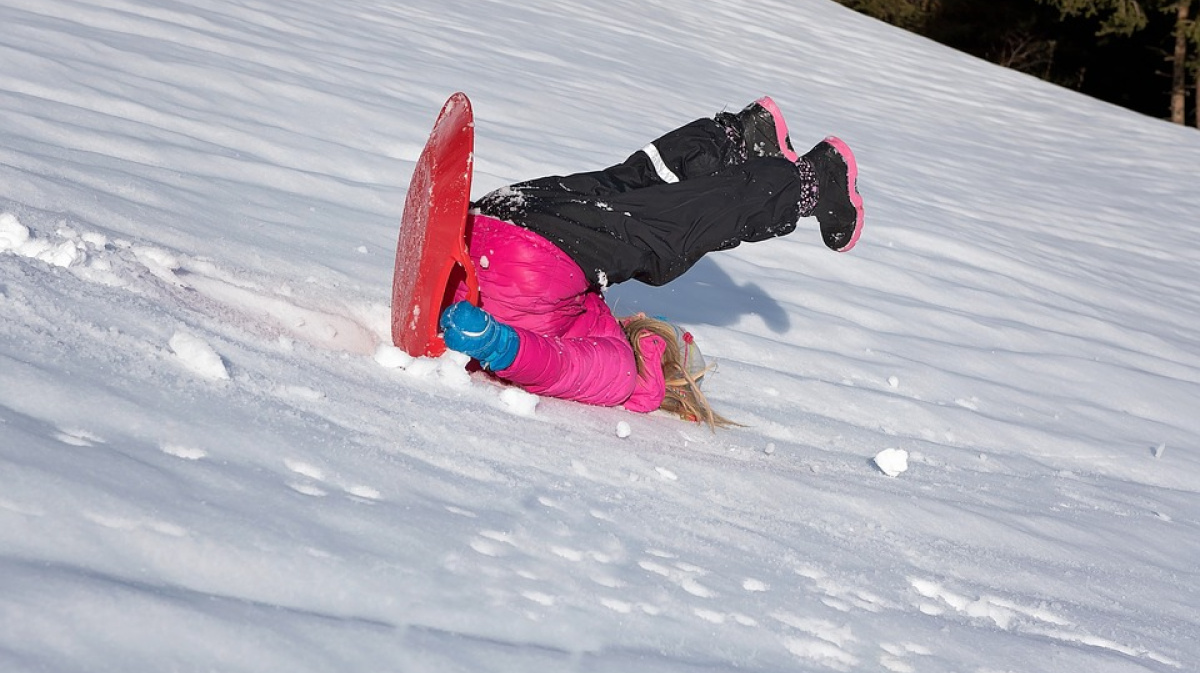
(839,206)
(762,127)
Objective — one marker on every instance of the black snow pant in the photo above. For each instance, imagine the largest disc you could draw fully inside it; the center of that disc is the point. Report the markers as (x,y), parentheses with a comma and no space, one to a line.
(691,192)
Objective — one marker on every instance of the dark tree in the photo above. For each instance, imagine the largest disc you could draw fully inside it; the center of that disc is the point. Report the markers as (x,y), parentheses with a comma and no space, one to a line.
(1114,50)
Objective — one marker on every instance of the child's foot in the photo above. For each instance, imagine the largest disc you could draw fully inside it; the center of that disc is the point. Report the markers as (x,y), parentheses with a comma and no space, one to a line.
(839,205)
(765,131)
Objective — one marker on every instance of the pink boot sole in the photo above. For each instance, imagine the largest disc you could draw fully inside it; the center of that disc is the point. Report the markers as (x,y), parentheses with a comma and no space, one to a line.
(781,129)
(852,184)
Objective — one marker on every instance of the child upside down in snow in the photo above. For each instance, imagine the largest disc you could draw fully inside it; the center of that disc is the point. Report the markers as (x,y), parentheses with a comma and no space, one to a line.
(545,249)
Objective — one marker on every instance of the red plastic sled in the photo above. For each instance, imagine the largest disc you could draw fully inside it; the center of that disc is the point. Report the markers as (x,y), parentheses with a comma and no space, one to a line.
(431,256)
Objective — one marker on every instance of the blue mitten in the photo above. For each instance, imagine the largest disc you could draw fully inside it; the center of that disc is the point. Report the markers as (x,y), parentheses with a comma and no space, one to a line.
(472,330)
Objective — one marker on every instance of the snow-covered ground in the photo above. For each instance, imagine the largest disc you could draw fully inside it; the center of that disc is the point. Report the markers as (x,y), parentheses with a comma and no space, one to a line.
(210,460)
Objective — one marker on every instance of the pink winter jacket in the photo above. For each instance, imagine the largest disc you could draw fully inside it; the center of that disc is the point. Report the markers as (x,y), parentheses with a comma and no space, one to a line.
(571,346)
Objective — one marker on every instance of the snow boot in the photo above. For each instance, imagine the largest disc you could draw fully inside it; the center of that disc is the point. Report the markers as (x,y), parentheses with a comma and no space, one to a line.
(839,206)
(763,129)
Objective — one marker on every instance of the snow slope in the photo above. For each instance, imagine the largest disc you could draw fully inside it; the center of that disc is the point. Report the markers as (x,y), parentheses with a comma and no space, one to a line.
(210,460)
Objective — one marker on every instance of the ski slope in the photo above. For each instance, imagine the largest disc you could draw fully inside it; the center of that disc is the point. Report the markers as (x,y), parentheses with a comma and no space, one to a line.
(211,459)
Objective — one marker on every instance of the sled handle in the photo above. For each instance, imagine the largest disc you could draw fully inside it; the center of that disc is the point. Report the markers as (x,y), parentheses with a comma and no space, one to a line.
(472,279)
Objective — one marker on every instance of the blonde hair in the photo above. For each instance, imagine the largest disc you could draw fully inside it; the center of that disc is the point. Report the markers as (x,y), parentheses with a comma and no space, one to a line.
(683,396)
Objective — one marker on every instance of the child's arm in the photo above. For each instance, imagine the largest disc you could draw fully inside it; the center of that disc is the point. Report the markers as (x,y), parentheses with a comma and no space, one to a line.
(597,370)
(594,370)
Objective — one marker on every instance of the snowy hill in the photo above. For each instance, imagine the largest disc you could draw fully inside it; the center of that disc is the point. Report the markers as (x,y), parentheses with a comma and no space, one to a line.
(210,459)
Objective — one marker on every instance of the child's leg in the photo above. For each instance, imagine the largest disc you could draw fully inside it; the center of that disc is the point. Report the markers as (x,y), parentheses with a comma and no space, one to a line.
(699,148)
(690,192)
(656,233)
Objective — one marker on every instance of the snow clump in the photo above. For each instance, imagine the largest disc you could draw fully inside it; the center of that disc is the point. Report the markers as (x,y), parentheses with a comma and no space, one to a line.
(198,357)
(892,462)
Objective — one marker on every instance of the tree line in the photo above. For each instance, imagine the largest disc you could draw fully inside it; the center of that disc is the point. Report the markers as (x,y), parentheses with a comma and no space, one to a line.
(1140,54)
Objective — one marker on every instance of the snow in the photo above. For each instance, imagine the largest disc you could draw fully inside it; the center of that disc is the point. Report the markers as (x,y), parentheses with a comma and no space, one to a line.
(892,462)
(389,356)
(196,355)
(214,186)
(623,429)
(519,402)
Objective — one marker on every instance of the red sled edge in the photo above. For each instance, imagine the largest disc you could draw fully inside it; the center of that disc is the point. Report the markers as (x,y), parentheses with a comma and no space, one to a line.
(432,255)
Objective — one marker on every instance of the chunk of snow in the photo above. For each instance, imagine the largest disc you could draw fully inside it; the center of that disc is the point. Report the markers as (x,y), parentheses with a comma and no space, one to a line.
(16,238)
(198,357)
(892,461)
(751,584)
(365,492)
(156,259)
(391,357)
(184,452)
(623,430)
(13,234)
(519,402)
(452,369)
(422,367)
(98,241)
(299,393)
